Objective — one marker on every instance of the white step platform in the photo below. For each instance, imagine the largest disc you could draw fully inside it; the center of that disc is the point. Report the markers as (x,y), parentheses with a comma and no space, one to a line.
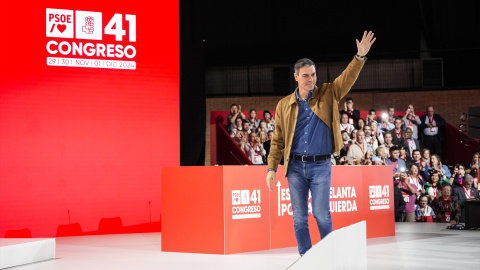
(21,251)
(345,248)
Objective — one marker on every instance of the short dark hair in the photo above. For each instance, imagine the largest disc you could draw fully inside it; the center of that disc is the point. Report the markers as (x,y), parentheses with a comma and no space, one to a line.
(245,121)
(372,110)
(265,112)
(233,105)
(344,131)
(304,62)
(394,148)
(397,118)
(390,107)
(349,99)
(416,150)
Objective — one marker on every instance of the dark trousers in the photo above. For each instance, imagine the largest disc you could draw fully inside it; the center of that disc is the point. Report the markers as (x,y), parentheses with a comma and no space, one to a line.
(433,143)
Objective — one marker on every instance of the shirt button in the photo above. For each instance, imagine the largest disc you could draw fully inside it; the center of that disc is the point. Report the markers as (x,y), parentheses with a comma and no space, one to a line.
(305,151)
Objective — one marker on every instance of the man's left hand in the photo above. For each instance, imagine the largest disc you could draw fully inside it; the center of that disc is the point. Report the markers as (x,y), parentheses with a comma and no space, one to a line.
(364,46)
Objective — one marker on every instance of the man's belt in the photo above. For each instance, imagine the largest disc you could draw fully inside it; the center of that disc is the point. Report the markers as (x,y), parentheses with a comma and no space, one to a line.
(304,158)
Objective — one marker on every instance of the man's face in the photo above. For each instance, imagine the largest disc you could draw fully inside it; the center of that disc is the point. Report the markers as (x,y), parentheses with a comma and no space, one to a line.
(267,116)
(388,138)
(398,124)
(306,78)
(344,119)
(246,126)
(391,112)
(373,115)
(430,111)
(263,135)
(408,133)
(395,154)
(252,137)
(360,136)
(367,130)
(446,191)
(345,136)
(467,184)
(234,109)
(238,122)
(350,104)
(416,156)
(270,135)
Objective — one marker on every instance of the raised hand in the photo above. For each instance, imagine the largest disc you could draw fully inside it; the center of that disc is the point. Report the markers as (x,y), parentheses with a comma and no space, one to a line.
(364,46)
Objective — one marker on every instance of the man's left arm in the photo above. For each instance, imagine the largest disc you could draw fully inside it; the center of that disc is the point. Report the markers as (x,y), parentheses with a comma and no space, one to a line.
(345,81)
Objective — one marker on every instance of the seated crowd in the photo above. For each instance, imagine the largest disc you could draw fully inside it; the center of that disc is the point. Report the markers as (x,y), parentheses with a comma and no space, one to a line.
(425,189)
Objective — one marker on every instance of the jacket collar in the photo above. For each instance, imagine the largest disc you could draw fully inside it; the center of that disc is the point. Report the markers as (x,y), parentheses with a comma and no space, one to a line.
(293,96)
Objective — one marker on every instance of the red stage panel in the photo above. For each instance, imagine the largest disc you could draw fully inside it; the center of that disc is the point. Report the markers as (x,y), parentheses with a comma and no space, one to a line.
(84,132)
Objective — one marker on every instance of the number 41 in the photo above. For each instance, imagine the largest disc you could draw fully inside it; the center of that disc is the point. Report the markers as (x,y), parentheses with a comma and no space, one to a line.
(116,21)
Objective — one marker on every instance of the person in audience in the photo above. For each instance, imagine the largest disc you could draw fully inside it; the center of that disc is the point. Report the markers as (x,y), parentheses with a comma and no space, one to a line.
(235,111)
(382,153)
(473,169)
(433,186)
(465,193)
(423,212)
(254,149)
(404,157)
(385,125)
(253,119)
(456,180)
(397,132)
(367,159)
(391,113)
(431,131)
(371,141)
(410,143)
(246,128)
(263,125)
(446,207)
(398,202)
(240,139)
(409,196)
(415,178)
(267,116)
(417,160)
(353,135)
(344,125)
(426,158)
(346,143)
(237,128)
(376,132)
(388,140)
(359,147)
(442,170)
(266,144)
(360,124)
(410,120)
(353,115)
(372,116)
(398,164)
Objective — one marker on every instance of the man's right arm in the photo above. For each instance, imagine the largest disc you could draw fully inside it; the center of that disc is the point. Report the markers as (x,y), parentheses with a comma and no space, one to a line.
(276,147)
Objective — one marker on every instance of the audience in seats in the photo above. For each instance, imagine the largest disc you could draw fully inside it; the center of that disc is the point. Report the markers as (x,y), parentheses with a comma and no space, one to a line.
(376,132)
(372,116)
(353,135)
(235,111)
(263,126)
(240,139)
(473,169)
(410,120)
(433,187)
(398,164)
(253,119)
(403,155)
(409,192)
(359,147)
(267,116)
(346,143)
(372,142)
(464,193)
(391,113)
(254,149)
(446,206)
(431,131)
(397,132)
(417,160)
(388,140)
(423,212)
(385,125)
(353,115)
(344,125)
(382,153)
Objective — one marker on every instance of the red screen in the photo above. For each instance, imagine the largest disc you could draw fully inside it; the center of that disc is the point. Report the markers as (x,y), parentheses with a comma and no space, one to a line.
(89,113)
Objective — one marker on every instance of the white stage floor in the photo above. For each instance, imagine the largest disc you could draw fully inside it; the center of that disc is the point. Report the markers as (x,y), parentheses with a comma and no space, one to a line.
(415,246)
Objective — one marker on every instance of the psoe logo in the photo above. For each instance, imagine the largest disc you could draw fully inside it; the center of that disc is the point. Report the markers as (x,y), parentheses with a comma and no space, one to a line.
(246,204)
(379,197)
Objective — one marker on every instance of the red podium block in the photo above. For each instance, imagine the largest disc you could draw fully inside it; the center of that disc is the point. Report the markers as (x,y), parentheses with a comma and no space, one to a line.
(229,209)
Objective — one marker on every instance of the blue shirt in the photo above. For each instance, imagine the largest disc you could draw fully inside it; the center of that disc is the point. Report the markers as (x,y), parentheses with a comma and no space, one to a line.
(312,136)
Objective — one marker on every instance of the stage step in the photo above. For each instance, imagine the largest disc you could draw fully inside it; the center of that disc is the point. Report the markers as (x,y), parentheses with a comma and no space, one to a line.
(345,248)
(20,251)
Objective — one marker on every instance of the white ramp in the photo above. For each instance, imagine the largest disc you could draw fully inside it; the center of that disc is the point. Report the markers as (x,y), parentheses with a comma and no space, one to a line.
(20,251)
(345,248)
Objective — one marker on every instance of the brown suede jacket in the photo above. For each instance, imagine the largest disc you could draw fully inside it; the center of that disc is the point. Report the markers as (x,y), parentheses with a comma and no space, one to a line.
(324,103)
